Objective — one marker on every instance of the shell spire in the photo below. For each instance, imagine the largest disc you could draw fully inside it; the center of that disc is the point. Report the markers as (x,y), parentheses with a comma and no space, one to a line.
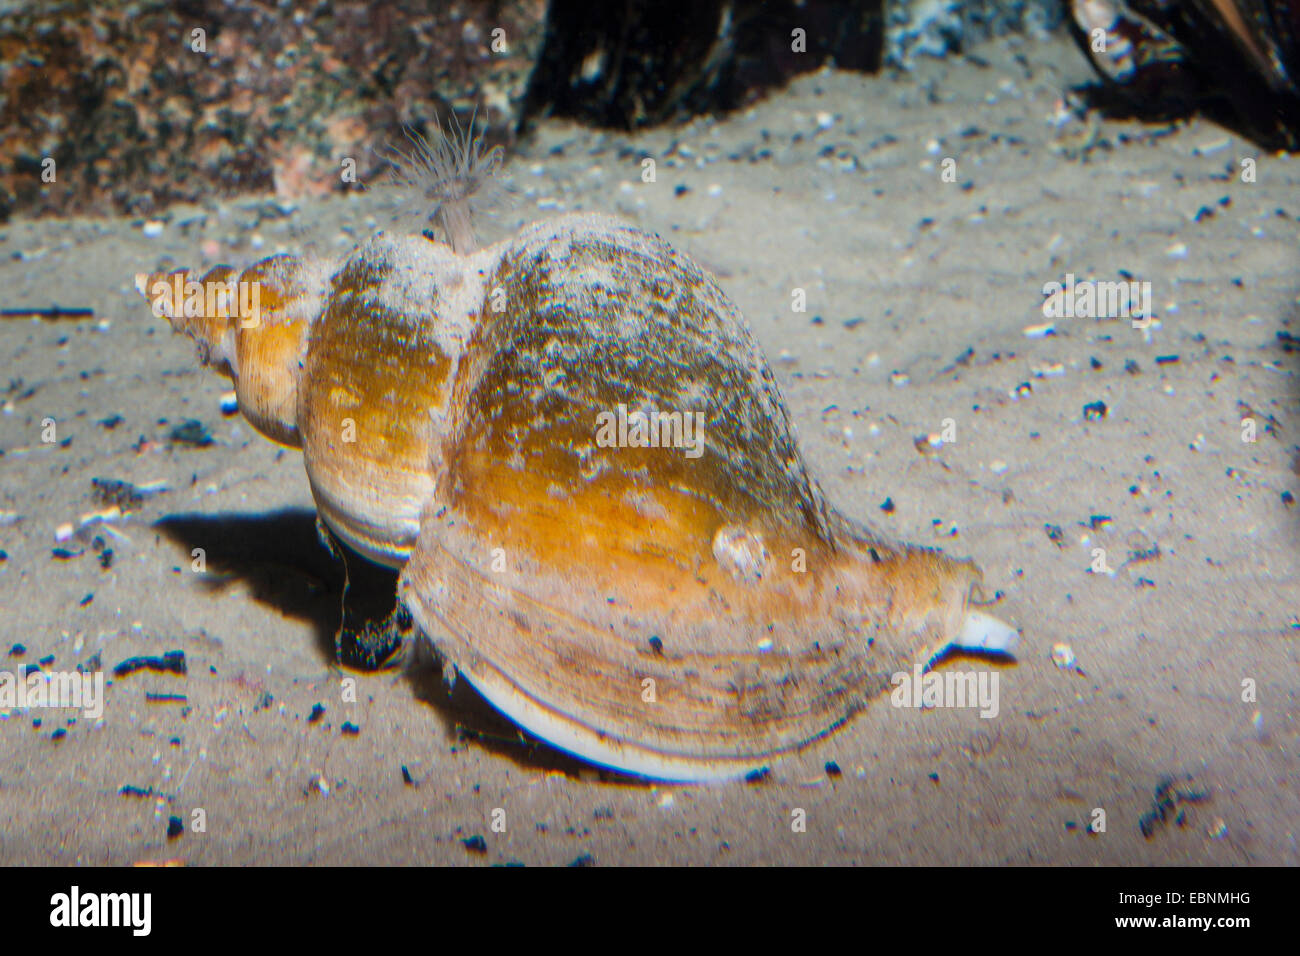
(250,326)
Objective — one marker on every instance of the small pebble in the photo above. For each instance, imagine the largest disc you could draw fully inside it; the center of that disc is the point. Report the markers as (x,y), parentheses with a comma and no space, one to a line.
(190,432)
(171,662)
(1063,657)
(116,495)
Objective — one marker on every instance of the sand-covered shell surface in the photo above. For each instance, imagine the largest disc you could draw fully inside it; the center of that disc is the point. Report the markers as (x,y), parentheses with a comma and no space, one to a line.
(571,445)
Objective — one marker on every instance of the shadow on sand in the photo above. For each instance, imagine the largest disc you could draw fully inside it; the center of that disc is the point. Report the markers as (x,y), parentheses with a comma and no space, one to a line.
(279,557)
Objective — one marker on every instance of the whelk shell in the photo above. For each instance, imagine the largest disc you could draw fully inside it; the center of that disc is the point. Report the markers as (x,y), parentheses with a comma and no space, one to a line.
(678,612)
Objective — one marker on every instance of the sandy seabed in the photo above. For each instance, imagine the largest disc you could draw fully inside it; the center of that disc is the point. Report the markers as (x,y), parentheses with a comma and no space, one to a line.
(920,294)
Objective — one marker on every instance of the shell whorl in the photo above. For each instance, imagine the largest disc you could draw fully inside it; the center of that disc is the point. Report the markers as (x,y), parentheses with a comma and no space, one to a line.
(379,372)
(597,314)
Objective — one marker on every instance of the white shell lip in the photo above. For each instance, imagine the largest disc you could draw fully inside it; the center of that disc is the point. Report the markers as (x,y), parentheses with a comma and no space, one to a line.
(984,632)
(585,743)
